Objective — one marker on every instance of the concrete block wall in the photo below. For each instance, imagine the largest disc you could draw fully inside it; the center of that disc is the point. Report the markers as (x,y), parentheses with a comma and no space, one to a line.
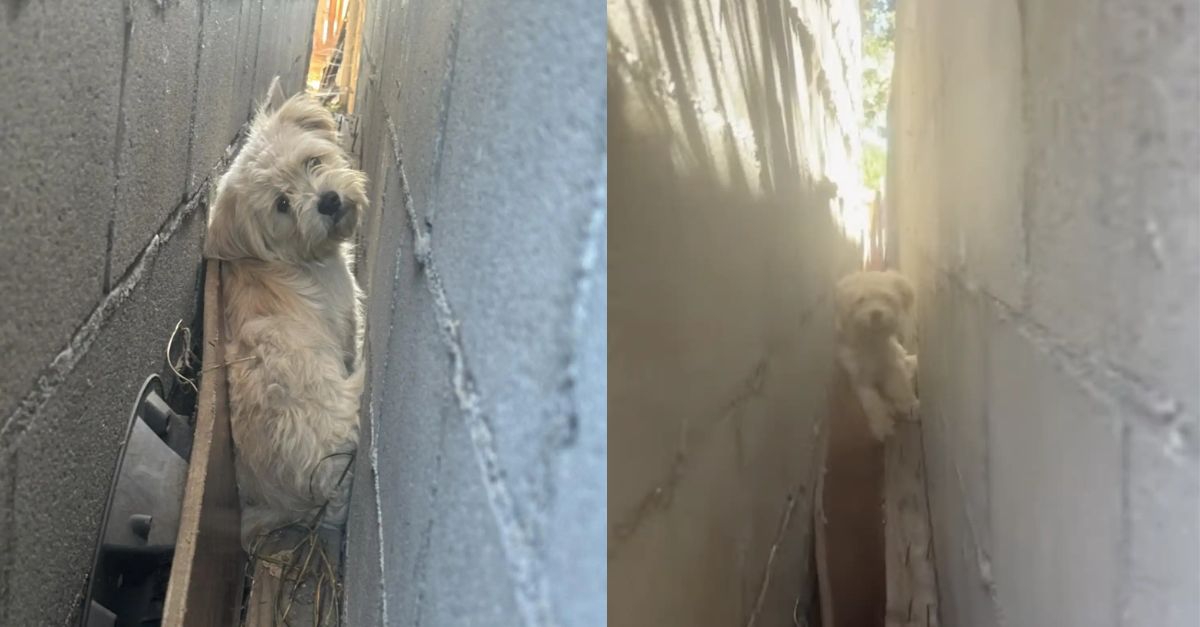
(119,115)
(726,120)
(480,486)
(1044,160)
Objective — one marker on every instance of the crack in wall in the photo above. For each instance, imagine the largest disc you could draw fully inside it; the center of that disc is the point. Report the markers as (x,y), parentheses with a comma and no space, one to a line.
(923,478)
(660,496)
(372,410)
(982,563)
(585,276)
(567,408)
(63,364)
(523,559)
(443,121)
(54,375)
(419,570)
(252,106)
(118,142)
(374,456)
(421,563)
(784,524)
(195,98)
(1102,380)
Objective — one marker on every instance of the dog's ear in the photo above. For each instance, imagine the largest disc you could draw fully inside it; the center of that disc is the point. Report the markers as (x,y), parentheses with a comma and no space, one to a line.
(222,240)
(271,102)
(303,111)
(843,299)
(275,96)
(904,290)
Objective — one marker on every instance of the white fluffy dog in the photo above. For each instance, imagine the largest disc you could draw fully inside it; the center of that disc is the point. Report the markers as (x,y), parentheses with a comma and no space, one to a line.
(873,308)
(282,222)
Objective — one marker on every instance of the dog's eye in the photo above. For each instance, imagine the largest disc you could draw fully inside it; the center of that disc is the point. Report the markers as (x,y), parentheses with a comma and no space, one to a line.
(312,163)
(282,205)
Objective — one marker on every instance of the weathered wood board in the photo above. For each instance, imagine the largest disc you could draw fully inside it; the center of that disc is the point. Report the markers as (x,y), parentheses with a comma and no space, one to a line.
(874,542)
(912,582)
(207,574)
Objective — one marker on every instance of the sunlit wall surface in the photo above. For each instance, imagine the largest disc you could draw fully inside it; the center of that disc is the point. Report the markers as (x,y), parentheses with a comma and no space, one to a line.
(734,202)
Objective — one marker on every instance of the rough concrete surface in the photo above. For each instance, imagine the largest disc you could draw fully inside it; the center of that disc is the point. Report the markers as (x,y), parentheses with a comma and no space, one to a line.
(59,467)
(283,43)
(218,113)
(56,186)
(482,128)
(154,122)
(117,133)
(1044,160)
(726,118)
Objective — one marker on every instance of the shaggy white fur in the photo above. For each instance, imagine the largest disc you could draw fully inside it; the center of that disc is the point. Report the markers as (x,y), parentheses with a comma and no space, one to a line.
(282,222)
(872,310)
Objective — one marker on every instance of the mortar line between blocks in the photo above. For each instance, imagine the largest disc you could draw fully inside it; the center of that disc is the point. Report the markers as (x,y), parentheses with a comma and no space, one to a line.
(784,524)
(63,364)
(1095,375)
(187,180)
(118,142)
(516,538)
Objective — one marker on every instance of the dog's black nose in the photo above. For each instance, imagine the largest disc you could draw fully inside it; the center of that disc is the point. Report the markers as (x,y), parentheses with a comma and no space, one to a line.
(329,204)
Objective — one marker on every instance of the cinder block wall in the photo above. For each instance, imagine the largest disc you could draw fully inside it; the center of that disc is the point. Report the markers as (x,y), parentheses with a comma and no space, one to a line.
(114,117)
(1044,171)
(480,486)
(726,118)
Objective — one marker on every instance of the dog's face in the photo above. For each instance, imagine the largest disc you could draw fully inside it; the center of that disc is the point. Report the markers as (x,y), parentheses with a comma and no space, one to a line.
(291,194)
(873,303)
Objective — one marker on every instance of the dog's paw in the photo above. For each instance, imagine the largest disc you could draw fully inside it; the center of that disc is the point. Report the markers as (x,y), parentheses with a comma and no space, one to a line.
(881,426)
(879,415)
(906,405)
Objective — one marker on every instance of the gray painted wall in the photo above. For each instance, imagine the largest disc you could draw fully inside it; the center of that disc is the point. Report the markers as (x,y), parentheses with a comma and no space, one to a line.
(479,494)
(116,116)
(1044,171)
(725,119)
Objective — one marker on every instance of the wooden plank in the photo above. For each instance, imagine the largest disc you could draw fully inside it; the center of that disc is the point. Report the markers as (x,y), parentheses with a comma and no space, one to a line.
(912,582)
(348,74)
(260,606)
(207,574)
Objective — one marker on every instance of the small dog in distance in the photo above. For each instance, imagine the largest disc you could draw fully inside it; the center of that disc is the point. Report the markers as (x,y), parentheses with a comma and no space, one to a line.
(873,310)
(282,223)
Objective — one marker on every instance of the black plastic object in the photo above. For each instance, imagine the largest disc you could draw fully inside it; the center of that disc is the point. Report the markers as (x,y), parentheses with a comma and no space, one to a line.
(132,562)
(170,426)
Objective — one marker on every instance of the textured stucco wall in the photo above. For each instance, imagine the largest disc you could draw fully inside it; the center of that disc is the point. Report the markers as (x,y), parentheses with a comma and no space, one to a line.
(725,118)
(115,117)
(480,487)
(1044,168)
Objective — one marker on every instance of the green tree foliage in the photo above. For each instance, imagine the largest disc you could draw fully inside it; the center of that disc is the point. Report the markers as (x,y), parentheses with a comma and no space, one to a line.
(874,165)
(879,30)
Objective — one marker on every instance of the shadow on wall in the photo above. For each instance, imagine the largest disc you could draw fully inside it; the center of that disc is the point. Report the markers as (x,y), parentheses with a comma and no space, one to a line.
(721,131)
(731,78)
